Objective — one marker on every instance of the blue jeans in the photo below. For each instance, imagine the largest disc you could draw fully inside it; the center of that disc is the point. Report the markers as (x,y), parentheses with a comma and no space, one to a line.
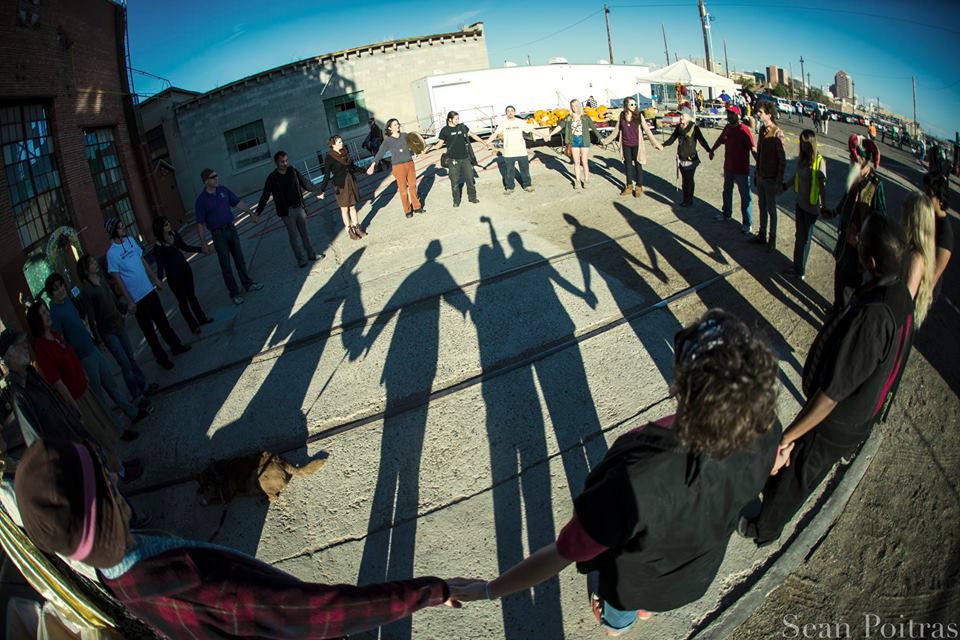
(103,383)
(743,186)
(226,242)
(118,344)
(616,619)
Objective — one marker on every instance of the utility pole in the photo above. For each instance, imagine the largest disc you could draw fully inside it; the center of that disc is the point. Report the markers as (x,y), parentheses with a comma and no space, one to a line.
(666,49)
(606,17)
(726,63)
(802,76)
(705,25)
(914,80)
(808,79)
(790,82)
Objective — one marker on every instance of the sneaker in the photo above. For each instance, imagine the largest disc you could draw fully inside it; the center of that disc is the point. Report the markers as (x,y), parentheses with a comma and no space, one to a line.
(183,348)
(528,189)
(408,214)
(255,286)
(508,192)
(129,435)
(456,203)
(745,230)
(165,363)
(237,300)
(313,257)
(746,528)
(420,210)
(475,200)
(719,217)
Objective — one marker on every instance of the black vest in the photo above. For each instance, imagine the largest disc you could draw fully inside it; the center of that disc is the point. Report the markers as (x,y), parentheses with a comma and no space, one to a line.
(674,510)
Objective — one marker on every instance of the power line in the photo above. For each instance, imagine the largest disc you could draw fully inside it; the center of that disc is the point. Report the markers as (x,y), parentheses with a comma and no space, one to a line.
(763,5)
(547,37)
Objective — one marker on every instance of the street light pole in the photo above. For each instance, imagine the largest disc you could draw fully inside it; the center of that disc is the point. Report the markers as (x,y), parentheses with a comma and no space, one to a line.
(666,49)
(802,76)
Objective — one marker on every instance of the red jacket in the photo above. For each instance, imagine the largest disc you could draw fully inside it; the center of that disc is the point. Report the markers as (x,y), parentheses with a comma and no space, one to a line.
(216,593)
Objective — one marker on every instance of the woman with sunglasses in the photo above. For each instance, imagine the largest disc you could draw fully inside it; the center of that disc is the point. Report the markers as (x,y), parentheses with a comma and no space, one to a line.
(632,149)
(687,134)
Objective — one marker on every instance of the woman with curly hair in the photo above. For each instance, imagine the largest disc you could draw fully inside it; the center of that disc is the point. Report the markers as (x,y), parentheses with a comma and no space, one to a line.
(339,167)
(657,512)
(917,220)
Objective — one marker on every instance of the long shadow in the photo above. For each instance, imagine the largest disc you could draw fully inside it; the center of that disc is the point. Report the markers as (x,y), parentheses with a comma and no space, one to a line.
(281,400)
(425,187)
(552,162)
(509,319)
(618,268)
(722,294)
(409,371)
(379,202)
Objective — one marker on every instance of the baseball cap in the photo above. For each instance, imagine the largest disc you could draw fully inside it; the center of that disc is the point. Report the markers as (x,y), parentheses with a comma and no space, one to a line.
(206,173)
(734,108)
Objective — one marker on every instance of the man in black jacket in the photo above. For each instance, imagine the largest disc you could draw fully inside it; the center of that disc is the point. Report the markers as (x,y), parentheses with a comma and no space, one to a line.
(286,185)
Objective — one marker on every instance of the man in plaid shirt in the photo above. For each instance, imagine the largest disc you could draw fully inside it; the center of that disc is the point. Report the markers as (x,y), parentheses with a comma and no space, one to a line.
(189,589)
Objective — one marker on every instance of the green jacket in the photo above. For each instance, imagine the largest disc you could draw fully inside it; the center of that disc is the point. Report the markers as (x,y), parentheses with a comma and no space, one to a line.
(588,126)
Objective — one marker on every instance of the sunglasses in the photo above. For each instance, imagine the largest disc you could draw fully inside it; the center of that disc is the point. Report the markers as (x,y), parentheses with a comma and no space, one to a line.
(212,176)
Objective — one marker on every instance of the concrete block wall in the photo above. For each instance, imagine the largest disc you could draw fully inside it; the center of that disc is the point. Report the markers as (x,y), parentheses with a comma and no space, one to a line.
(291,104)
(70,63)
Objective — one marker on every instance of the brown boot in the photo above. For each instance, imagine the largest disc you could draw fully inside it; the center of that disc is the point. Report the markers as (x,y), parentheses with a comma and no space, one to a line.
(352,233)
(637,191)
(357,229)
(627,189)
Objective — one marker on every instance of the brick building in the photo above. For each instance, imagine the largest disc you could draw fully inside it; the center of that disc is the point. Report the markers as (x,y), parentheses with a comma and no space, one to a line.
(237,128)
(69,140)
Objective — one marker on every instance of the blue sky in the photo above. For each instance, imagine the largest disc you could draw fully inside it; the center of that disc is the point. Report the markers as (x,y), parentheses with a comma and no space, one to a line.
(881,44)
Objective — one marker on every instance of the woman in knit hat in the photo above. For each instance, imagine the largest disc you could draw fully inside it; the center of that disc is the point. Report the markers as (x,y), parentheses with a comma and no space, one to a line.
(687,134)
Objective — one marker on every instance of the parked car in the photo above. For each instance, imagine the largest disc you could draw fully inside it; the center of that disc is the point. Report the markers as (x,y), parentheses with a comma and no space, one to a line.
(784,105)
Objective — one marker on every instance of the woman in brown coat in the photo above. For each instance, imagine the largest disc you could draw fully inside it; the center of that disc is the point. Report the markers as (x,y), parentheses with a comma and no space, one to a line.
(338,166)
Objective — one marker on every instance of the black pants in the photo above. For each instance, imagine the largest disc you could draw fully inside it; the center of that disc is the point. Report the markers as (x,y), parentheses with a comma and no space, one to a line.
(181,284)
(812,459)
(801,245)
(226,241)
(632,166)
(150,313)
(687,182)
(461,170)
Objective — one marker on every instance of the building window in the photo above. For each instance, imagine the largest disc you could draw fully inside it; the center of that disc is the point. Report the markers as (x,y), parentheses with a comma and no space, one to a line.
(28,13)
(247,145)
(33,178)
(157,143)
(346,111)
(100,146)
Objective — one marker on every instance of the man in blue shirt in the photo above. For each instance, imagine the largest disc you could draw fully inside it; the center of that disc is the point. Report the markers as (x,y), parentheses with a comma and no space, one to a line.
(214,211)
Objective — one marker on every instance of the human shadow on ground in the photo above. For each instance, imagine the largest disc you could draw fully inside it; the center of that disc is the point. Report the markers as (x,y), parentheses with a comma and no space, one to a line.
(425,186)
(378,202)
(553,162)
(284,398)
(408,375)
(512,319)
(618,268)
(721,294)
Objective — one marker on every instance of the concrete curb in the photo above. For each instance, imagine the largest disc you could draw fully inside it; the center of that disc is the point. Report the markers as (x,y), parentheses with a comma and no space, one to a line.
(813,526)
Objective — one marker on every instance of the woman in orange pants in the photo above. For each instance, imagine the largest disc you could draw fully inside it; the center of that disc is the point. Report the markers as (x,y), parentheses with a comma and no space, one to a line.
(404,171)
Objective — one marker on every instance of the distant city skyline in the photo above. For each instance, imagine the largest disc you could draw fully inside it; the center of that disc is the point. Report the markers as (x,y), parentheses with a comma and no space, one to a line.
(243,37)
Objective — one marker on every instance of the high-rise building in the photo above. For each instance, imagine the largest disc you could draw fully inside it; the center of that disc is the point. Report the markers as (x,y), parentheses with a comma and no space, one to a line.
(843,85)
(783,77)
(772,77)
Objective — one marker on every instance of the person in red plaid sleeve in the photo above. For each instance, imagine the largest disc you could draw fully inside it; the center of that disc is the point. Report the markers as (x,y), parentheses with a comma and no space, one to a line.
(189,589)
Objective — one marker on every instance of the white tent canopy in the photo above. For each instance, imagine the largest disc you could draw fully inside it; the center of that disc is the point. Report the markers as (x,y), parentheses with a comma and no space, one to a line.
(689,74)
